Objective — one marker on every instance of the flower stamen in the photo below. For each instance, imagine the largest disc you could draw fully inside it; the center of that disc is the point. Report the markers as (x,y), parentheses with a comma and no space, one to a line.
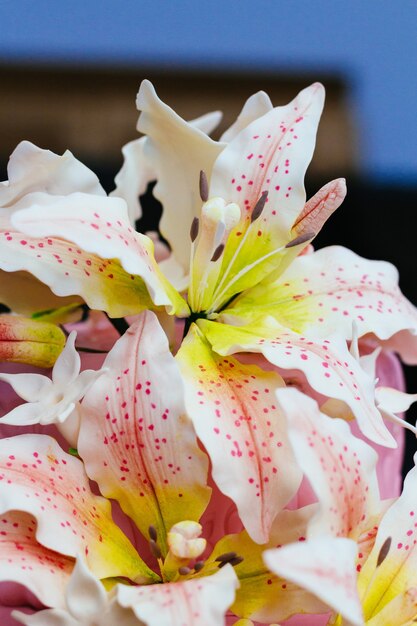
(204,188)
(259,207)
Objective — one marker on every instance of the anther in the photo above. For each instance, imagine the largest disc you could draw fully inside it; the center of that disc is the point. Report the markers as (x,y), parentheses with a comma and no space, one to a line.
(225,558)
(203,186)
(259,207)
(155,550)
(301,239)
(198,566)
(152,533)
(234,561)
(217,253)
(384,551)
(184,570)
(195,225)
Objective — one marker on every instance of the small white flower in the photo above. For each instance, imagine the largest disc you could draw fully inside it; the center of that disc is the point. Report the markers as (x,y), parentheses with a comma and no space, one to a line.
(51,401)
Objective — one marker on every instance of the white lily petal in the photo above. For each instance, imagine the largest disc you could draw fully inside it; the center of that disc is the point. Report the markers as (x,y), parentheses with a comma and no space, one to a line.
(394,401)
(70,427)
(85,595)
(174,271)
(255,106)
(325,567)
(368,362)
(133,178)
(54,617)
(177,151)
(136,172)
(32,169)
(83,382)
(197,602)
(67,366)
(25,561)
(29,387)
(24,414)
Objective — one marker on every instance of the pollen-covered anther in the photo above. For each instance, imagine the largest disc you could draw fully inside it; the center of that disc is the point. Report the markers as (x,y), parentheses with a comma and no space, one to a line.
(195,226)
(203,185)
(184,540)
(198,566)
(259,206)
(300,239)
(155,549)
(152,533)
(383,553)
(229,557)
(217,253)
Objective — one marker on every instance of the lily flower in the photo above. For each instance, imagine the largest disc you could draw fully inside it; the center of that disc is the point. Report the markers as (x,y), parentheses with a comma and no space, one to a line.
(52,401)
(249,291)
(137,443)
(139,447)
(343,467)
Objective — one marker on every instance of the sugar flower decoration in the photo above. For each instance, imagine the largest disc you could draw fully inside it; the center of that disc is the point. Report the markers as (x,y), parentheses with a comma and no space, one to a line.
(51,400)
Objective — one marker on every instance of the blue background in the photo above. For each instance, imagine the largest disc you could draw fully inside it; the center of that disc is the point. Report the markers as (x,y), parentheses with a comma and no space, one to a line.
(372,44)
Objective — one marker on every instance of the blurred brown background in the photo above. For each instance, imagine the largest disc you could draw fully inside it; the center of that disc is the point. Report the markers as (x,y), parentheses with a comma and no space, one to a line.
(92,111)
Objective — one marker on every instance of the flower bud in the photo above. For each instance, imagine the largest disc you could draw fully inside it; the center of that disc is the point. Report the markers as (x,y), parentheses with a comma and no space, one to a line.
(24,340)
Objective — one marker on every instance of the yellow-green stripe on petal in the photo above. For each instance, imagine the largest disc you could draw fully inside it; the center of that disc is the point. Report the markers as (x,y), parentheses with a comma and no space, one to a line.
(263,596)
(38,477)
(145,453)
(236,416)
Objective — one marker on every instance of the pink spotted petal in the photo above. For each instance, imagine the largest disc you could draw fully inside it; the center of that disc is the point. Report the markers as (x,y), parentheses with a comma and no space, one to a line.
(66,269)
(327,364)
(176,151)
(24,560)
(198,602)
(99,227)
(341,467)
(325,567)
(235,414)
(135,438)
(327,291)
(392,565)
(272,153)
(37,477)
